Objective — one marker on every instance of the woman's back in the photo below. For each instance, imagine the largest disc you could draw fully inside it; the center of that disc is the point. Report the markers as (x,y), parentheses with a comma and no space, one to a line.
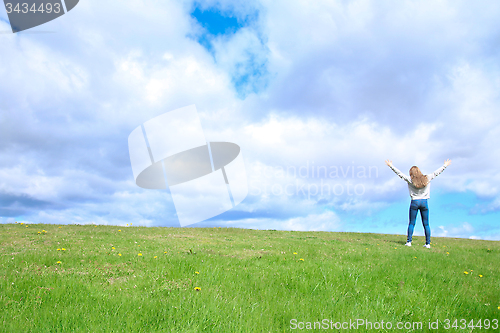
(416,192)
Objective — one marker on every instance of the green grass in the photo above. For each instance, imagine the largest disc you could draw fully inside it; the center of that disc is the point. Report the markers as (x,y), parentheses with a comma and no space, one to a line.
(250,280)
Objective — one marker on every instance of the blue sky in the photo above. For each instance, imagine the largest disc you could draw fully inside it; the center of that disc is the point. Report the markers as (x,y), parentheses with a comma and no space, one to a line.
(328,84)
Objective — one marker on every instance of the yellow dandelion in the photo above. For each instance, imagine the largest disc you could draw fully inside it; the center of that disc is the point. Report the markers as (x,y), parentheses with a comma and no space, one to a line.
(295,253)
(95,226)
(130,223)
(22,223)
(60,227)
(119,231)
(301,259)
(112,248)
(119,254)
(415,257)
(465,272)
(155,257)
(499,308)
(196,272)
(59,262)
(395,248)
(480,275)
(447,252)
(26,226)
(139,254)
(63,249)
(39,232)
(198,289)
(58,249)
(165,252)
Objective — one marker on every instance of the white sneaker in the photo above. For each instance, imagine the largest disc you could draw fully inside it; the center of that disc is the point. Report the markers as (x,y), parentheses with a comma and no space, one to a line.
(408,244)
(427,246)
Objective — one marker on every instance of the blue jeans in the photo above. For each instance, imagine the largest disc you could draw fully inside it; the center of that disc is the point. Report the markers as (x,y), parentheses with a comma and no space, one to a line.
(415,206)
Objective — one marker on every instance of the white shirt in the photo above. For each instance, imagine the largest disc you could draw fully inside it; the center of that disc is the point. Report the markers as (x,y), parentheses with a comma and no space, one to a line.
(419,193)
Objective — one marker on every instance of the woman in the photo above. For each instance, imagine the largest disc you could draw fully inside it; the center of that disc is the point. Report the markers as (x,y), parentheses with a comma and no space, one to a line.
(419,187)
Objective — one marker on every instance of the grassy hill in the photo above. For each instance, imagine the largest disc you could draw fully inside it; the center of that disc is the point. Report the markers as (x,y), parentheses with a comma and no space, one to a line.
(135,279)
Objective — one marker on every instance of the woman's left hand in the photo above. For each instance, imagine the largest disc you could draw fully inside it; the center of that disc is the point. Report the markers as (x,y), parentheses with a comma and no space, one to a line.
(389,163)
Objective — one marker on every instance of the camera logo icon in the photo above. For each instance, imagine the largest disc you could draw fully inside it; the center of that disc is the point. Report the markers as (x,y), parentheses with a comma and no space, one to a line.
(26,14)
(205,178)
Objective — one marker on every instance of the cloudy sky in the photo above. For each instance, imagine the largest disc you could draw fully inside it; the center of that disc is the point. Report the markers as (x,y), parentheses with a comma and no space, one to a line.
(317,95)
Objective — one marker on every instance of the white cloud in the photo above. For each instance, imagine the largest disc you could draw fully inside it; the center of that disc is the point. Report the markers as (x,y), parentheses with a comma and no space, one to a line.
(327,221)
(484,208)
(244,56)
(173,77)
(464,230)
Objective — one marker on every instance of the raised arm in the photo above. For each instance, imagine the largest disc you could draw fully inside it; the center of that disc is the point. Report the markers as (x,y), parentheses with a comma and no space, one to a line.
(399,173)
(438,171)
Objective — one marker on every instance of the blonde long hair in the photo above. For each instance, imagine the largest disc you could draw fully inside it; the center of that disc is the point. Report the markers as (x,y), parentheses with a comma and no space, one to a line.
(417,178)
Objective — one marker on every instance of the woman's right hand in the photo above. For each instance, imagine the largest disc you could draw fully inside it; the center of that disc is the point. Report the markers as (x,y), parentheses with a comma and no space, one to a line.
(447,162)
(389,163)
